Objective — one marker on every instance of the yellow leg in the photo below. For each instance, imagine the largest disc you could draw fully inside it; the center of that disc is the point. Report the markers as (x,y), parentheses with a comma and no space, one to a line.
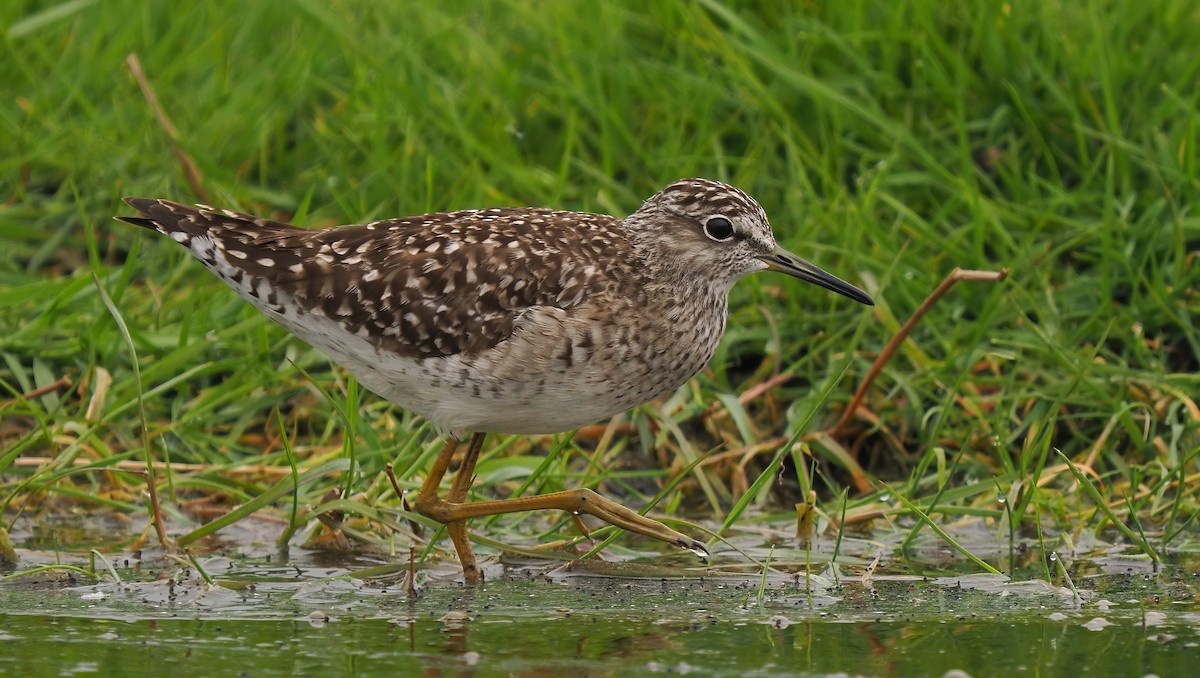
(427,500)
(463,479)
(454,511)
(429,489)
(576,501)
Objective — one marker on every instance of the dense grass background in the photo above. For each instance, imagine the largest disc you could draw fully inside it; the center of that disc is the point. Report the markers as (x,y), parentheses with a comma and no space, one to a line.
(890,142)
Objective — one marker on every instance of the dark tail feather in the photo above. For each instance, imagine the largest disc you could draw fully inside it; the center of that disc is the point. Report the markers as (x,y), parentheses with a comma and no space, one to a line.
(173,219)
(140,221)
(157,217)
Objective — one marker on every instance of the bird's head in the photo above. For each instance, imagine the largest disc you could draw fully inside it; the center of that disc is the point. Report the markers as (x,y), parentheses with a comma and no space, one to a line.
(706,228)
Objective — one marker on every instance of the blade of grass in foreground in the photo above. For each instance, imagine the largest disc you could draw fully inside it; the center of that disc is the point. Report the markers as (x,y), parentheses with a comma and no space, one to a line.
(940,532)
(769,472)
(152,480)
(1104,508)
(277,491)
(287,533)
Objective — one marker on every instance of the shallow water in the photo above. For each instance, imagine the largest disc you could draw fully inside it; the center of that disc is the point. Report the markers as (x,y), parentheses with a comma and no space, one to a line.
(337,612)
(505,642)
(594,619)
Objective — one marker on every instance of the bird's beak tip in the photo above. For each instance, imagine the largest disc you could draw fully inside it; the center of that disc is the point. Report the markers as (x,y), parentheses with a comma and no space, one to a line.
(785,262)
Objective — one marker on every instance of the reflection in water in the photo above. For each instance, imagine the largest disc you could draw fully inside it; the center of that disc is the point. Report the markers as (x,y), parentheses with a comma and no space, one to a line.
(454,628)
(590,627)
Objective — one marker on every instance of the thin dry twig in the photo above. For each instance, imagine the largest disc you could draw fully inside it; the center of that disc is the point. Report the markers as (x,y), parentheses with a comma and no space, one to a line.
(955,276)
(391,474)
(56,385)
(412,573)
(160,526)
(190,171)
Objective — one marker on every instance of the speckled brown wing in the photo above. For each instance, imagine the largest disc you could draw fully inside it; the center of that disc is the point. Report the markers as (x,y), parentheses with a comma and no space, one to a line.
(432,285)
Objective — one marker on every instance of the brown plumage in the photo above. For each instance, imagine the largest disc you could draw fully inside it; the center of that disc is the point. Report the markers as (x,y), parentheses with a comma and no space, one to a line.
(514,320)
(433,285)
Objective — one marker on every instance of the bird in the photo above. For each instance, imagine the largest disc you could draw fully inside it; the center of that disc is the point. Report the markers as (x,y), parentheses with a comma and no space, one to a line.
(510,320)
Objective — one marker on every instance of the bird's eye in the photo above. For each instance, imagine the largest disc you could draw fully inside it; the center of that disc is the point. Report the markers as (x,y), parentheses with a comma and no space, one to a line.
(719,229)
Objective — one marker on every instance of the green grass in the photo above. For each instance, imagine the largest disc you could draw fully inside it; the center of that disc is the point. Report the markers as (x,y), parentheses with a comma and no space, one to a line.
(890,142)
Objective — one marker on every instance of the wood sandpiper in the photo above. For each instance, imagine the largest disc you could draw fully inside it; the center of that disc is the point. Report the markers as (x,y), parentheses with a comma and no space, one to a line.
(510,320)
